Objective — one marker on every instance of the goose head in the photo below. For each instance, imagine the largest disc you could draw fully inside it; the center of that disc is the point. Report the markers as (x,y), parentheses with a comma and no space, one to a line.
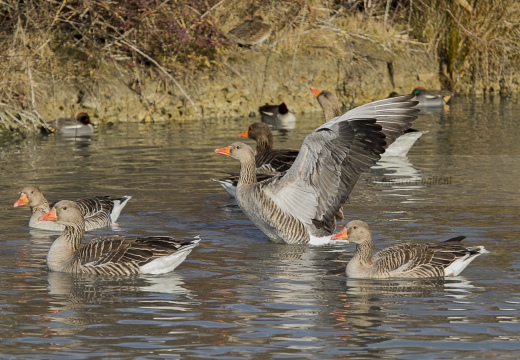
(356,231)
(64,212)
(237,150)
(328,102)
(30,195)
(257,131)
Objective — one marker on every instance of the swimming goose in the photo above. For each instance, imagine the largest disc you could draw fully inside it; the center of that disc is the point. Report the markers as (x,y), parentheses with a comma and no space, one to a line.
(448,258)
(330,106)
(269,161)
(278,116)
(109,255)
(300,206)
(80,126)
(98,211)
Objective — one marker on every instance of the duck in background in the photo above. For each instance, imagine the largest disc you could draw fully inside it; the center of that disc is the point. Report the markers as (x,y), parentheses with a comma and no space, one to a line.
(110,255)
(330,105)
(80,126)
(405,260)
(429,98)
(98,211)
(278,116)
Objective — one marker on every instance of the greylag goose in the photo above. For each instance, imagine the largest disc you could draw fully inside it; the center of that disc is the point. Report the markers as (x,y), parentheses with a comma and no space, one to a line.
(98,211)
(448,258)
(80,126)
(330,106)
(278,116)
(429,98)
(269,161)
(301,206)
(109,255)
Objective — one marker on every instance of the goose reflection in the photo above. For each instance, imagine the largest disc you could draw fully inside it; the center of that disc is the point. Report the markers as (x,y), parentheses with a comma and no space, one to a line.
(78,300)
(367,305)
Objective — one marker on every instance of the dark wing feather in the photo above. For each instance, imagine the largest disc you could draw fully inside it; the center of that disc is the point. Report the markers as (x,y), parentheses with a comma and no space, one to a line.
(275,160)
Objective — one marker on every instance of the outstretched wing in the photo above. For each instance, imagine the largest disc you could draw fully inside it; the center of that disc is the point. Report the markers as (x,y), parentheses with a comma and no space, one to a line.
(333,157)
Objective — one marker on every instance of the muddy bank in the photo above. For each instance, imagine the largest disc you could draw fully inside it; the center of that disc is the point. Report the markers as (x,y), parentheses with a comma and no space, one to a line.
(238,86)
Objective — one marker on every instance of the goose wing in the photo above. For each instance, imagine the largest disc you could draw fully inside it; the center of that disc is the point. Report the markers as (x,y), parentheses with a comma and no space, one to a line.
(424,260)
(125,250)
(333,157)
(96,210)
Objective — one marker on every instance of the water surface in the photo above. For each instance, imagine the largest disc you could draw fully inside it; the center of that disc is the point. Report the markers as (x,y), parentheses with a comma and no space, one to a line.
(238,295)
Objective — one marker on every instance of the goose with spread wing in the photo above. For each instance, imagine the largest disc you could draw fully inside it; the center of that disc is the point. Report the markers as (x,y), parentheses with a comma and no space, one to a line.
(405,260)
(110,255)
(301,205)
(269,161)
(330,106)
(98,211)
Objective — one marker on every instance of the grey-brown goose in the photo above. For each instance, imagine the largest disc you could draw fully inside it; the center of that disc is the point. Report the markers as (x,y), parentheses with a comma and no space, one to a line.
(269,161)
(267,158)
(448,258)
(330,106)
(109,255)
(300,206)
(98,211)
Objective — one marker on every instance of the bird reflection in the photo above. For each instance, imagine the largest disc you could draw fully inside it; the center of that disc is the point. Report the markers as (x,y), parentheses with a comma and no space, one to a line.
(77,300)
(368,304)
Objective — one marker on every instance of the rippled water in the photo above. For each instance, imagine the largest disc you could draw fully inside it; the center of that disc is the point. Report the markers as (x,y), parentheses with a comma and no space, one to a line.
(240,296)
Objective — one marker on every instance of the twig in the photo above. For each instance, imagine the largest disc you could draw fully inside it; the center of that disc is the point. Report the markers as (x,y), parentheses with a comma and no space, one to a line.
(213,7)
(160,68)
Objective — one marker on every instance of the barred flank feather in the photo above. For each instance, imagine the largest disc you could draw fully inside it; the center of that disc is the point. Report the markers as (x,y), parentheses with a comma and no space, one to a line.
(111,255)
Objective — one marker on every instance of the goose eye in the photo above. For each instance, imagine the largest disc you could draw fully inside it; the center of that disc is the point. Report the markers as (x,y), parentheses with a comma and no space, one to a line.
(354,227)
(238,146)
(64,208)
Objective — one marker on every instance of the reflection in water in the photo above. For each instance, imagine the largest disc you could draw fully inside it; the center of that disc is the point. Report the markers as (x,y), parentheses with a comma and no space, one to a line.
(368,305)
(72,295)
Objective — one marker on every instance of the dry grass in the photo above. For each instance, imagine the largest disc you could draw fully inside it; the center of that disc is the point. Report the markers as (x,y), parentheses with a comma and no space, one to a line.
(473,39)
(44,41)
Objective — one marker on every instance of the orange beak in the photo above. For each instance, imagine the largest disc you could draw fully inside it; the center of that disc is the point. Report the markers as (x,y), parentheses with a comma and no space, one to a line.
(342,235)
(315,91)
(224,151)
(244,134)
(50,216)
(22,200)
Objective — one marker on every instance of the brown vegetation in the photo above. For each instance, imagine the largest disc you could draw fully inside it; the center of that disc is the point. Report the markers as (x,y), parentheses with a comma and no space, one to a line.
(46,43)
